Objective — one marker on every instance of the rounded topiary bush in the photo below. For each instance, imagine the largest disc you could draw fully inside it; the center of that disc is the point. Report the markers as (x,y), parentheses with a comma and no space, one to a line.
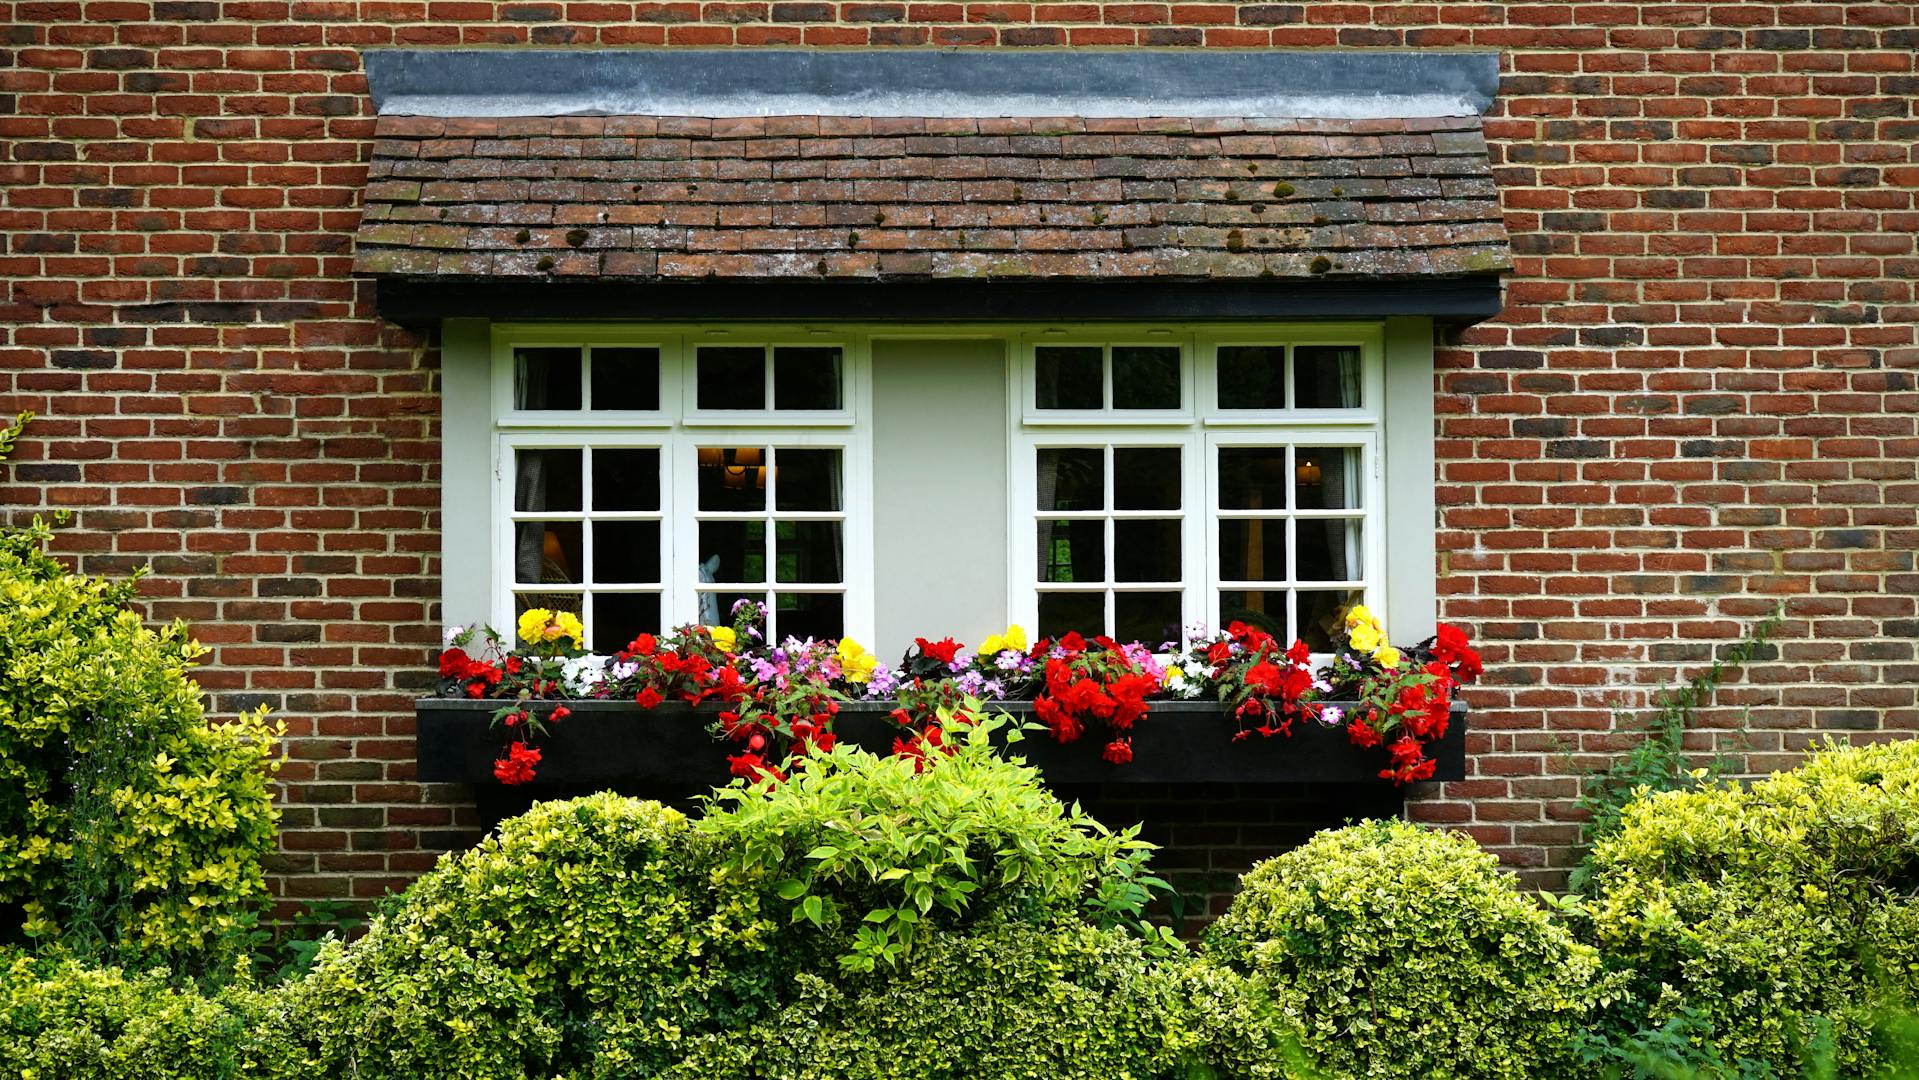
(1404,951)
(1782,918)
(129,825)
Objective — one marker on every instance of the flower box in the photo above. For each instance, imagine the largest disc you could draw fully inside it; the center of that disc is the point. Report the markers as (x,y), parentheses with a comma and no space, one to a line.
(666,752)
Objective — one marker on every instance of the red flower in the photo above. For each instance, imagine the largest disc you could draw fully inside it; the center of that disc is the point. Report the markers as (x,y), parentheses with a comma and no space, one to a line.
(1451,648)
(1361,733)
(1119,751)
(1299,653)
(942,650)
(1072,643)
(649,698)
(749,766)
(517,766)
(512,665)
(643,645)
(454,662)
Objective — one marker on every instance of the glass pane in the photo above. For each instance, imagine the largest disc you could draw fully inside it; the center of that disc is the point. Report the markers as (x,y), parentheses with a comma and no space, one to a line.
(1068,377)
(626,479)
(819,616)
(807,551)
(1151,618)
(1322,616)
(1252,550)
(1146,478)
(1072,479)
(1326,477)
(732,551)
(1263,609)
(1252,377)
(1072,550)
(732,478)
(626,379)
(1145,377)
(546,378)
(1326,377)
(1061,613)
(626,552)
(1146,551)
(552,601)
(732,377)
(1252,477)
(1329,550)
(546,552)
(618,618)
(807,480)
(546,479)
(716,607)
(806,378)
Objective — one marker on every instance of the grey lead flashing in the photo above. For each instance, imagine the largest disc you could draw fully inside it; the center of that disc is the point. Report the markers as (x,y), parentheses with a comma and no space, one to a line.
(929,83)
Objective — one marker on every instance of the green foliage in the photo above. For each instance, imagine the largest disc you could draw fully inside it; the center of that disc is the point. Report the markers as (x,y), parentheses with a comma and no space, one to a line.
(10,434)
(60,1020)
(879,853)
(1783,917)
(1011,1001)
(1658,762)
(129,825)
(1406,952)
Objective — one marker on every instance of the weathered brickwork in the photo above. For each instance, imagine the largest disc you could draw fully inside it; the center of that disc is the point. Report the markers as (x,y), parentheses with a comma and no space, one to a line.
(1698,404)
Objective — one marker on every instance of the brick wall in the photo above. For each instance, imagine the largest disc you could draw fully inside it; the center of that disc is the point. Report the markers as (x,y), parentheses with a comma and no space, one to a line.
(1699,402)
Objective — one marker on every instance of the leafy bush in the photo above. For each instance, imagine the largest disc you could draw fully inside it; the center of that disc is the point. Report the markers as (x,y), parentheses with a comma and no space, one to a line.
(60,1020)
(129,825)
(1406,952)
(879,851)
(1781,916)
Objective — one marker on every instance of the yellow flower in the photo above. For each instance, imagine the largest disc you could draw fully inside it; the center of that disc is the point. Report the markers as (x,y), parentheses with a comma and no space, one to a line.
(1015,637)
(724,637)
(1174,671)
(1359,615)
(1363,637)
(539,626)
(1387,656)
(992,645)
(856,664)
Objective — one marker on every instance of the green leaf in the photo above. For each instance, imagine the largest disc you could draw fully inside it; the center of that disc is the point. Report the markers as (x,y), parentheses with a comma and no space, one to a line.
(790,889)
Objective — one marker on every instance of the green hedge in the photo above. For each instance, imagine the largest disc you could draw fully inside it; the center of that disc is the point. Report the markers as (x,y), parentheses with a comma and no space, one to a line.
(130,827)
(1782,918)
(1405,952)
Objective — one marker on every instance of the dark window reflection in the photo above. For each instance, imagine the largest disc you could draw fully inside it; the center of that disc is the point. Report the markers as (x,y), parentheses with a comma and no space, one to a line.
(1069,377)
(618,618)
(1322,616)
(547,552)
(806,378)
(626,552)
(1152,618)
(546,378)
(1252,477)
(626,479)
(1146,550)
(1252,550)
(1252,377)
(1061,613)
(732,478)
(1147,478)
(1072,478)
(808,552)
(1326,377)
(1072,551)
(1264,609)
(731,377)
(808,479)
(1146,377)
(546,479)
(811,615)
(733,551)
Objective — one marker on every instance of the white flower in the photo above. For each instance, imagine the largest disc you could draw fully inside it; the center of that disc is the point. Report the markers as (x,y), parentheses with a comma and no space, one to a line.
(1331,715)
(453,633)
(583,674)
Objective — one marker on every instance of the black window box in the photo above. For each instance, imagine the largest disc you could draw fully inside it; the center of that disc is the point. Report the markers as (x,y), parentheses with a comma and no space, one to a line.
(667,753)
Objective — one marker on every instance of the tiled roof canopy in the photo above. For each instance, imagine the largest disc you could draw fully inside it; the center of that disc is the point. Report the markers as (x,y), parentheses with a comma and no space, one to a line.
(658,199)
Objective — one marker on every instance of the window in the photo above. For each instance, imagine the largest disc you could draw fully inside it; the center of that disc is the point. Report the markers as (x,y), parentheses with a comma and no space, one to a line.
(649,484)
(1162,482)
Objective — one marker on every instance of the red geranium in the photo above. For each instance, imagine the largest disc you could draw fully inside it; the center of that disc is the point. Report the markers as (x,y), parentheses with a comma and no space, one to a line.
(517,766)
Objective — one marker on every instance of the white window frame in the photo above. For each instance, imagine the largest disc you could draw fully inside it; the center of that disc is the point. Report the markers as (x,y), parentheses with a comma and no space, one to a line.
(679,429)
(1199,432)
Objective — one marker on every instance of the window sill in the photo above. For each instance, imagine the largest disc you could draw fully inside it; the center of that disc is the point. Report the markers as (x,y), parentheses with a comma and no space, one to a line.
(667,753)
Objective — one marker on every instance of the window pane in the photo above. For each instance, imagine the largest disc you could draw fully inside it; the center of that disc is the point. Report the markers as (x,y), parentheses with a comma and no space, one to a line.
(1263,609)
(716,607)
(819,616)
(626,552)
(1146,551)
(1252,477)
(1151,618)
(546,378)
(1061,613)
(626,479)
(1326,377)
(1326,477)
(1072,550)
(546,552)
(1146,478)
(1322,616)
(731,377)
(807,479)
(1068,377)
(732,551)
(546,479)
(808,551)
(1252,377)
(1329,550)
(618,618)
(806,378)
(732,478)
(1072,479)
(626,379)
(1146,377)
(1252,550)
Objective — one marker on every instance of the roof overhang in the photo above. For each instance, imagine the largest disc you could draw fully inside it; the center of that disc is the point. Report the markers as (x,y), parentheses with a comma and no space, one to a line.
(915,185)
